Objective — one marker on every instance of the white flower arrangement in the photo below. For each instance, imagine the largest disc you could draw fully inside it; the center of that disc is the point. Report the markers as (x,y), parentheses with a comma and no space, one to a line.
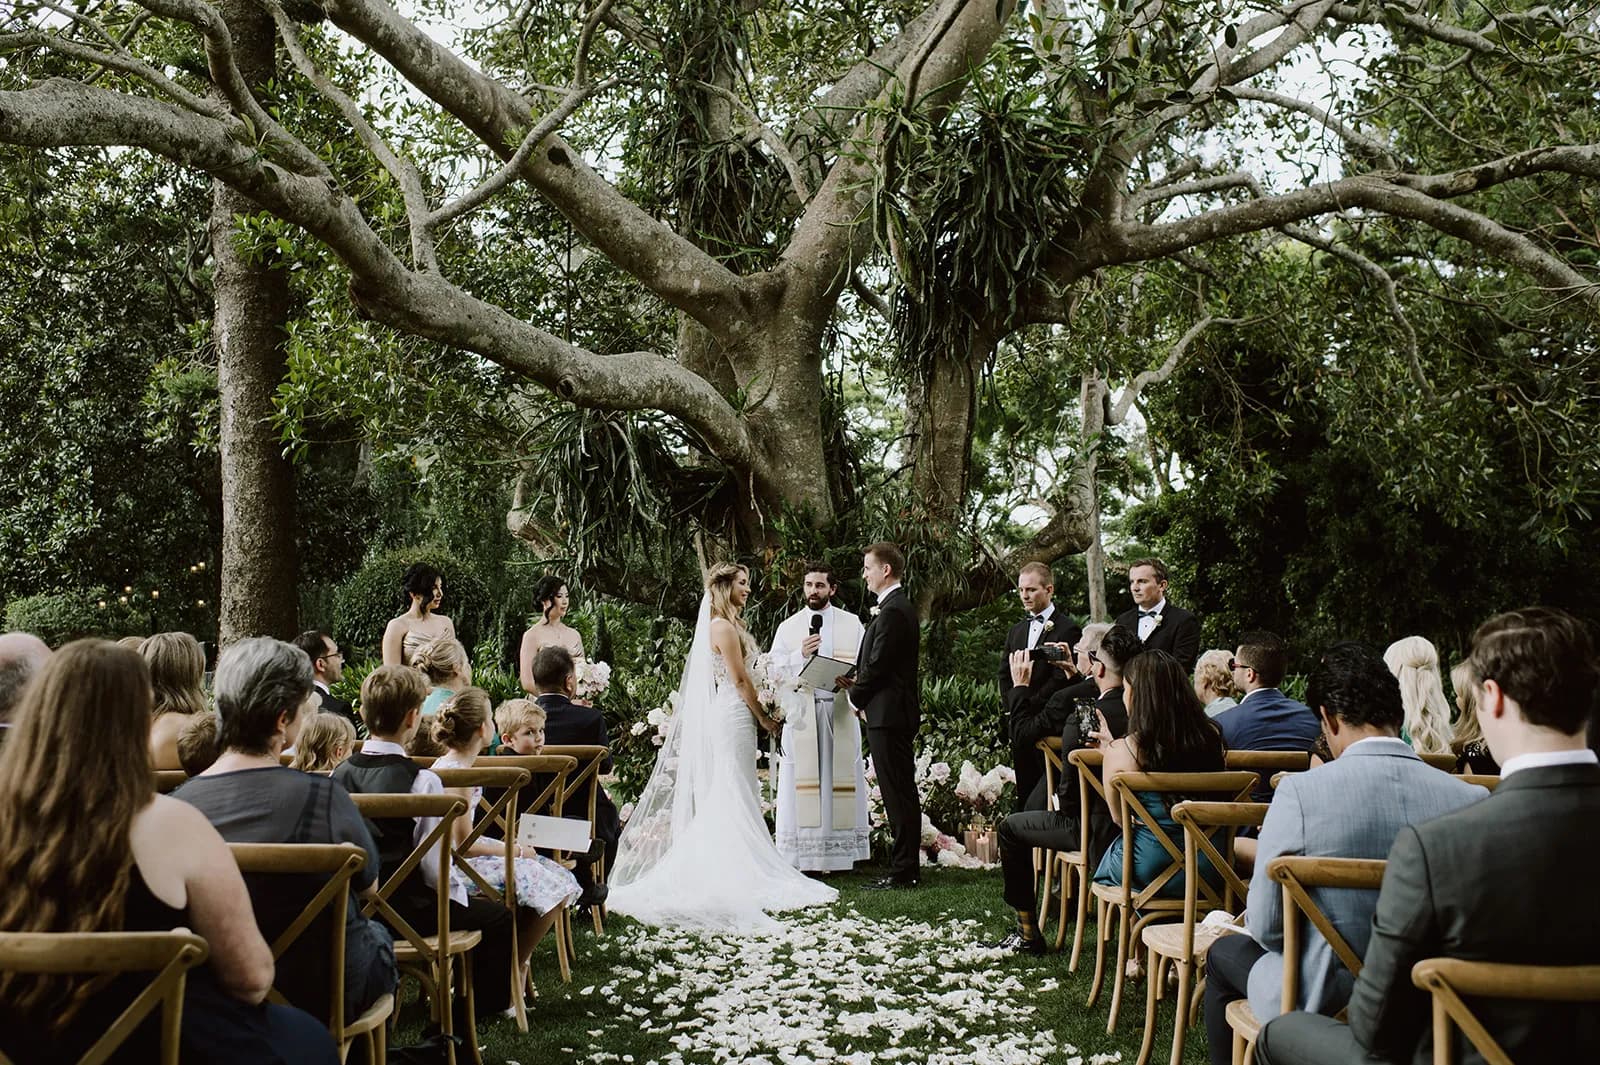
(982,791)
(661,718)
(593,678)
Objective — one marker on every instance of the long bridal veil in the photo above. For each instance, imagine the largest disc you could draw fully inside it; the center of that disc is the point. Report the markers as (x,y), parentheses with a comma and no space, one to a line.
(696,853)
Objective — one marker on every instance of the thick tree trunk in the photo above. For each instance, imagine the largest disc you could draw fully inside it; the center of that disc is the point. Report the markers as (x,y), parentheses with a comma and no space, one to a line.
(259,593)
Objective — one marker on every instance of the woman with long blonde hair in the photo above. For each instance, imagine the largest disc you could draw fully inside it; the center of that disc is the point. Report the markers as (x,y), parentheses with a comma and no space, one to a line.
(100,851)
(697,852)
(1472,753)
(177,666)
(1415,663)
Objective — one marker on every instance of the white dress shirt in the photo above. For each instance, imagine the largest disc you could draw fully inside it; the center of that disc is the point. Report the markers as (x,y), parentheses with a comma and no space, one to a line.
(1546,759)
(1147,625)
(1036,625)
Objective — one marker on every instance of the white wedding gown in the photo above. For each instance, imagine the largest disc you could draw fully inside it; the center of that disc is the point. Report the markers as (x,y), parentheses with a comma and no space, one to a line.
(696,852)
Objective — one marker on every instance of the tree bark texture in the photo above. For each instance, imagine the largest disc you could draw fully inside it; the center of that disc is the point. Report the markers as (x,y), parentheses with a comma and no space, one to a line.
(259,592)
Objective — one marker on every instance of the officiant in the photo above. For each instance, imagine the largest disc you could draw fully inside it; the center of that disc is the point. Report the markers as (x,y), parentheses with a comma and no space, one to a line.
(822,788)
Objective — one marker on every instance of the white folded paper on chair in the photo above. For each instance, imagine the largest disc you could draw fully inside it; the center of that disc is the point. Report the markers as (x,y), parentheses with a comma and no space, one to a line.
(553,833)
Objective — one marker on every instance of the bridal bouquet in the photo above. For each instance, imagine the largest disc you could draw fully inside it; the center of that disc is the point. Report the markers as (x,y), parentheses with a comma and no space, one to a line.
(593,678)
(777,687)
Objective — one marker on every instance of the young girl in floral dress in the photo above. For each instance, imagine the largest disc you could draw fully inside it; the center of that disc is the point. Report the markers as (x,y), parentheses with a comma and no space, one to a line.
(464,727)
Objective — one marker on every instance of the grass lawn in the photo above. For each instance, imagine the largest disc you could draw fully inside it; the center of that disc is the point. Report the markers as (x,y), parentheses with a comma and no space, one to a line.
(878,977)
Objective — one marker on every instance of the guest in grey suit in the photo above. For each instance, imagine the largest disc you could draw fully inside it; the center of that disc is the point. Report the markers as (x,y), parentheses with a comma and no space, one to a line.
(1492,882)
(1350,808)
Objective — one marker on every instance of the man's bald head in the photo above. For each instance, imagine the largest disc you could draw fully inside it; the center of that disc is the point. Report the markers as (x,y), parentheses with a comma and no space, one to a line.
(21,656)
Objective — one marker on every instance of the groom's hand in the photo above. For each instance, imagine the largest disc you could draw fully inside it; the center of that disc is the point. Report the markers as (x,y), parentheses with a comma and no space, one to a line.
(845,682)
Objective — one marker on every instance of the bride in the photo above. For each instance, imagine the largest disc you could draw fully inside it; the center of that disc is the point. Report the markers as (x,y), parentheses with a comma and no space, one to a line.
(696,853)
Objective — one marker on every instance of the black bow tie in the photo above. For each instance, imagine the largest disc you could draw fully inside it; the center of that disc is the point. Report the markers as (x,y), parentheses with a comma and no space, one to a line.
(1035,617)
(1149,613)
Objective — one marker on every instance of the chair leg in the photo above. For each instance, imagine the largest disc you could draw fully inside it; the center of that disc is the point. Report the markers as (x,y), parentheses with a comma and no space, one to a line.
(519,1001)
(1124,936)
(1043,880)
(1067,878)
(1083,916)
(472,1009)
(562,936)
(1099,952)
(1182,1015)
(1152,1004)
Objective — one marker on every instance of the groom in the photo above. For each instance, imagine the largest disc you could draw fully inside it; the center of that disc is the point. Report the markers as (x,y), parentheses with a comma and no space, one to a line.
(885,695)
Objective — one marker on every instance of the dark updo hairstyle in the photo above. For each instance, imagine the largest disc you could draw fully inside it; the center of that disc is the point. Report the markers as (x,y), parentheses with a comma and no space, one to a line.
(459,717)
(545,592)
(419,580)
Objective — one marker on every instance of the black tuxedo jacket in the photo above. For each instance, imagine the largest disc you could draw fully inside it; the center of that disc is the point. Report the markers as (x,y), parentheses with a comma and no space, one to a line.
(331,704)
(1178,634)
(886,689)
(1494,881)
(1027,705)
(566,724)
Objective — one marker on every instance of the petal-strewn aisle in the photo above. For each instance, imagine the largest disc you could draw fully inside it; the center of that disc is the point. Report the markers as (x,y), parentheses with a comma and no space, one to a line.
(858,982)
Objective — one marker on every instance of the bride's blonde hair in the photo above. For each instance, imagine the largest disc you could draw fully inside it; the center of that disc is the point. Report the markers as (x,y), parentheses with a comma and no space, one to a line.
(719,586)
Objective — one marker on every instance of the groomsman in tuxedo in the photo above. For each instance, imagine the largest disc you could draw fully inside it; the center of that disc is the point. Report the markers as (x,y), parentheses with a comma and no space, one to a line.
(1026,700)
(327,669)
(1503,880)
(570,724)
(1160,625)
(885,695)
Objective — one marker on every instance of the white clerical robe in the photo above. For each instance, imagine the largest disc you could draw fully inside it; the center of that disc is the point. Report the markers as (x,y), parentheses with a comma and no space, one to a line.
(822,787)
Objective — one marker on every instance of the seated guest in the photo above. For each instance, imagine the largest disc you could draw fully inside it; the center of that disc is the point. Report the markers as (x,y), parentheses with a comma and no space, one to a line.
(1060,829)
(1265,719)
(177,673)
(463,726)
(391,704)
(264,697)
(1036,710)
(21,656)
(445,663)
(1168,732)
(327,663)
(1350,808)
(1213,683)
(1472,754)
(197,743)
(571,724)
(101,852)
(1415,662)
(325,741)
(1495,881)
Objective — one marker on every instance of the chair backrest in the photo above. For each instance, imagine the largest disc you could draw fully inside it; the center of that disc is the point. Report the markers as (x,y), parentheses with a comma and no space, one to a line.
(168,780)
(1088,761)
(1448,979)
(1446,761)
(546,792)
(1483,780)
(1050,747)
(168,955)
(1203,823)
(1299,874)
(1170,788)
(583,785)
(501,786)
(301,891)
(446,808)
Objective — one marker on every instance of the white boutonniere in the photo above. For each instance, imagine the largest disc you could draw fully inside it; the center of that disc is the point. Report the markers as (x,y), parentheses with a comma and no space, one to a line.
(1048,625)
(874,611)
(1159,619)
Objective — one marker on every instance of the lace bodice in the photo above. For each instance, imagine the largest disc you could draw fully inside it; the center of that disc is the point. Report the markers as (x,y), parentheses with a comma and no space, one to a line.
(719,667)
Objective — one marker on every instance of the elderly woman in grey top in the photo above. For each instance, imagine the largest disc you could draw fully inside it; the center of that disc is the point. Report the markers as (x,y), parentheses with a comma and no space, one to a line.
(1213,682)
(264,696)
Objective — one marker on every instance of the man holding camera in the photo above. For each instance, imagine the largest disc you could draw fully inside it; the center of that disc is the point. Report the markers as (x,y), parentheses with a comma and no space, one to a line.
(1103,650)
(1027,681)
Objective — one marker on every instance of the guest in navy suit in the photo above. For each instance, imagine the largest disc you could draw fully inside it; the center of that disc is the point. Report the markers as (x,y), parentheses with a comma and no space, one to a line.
(1265,719)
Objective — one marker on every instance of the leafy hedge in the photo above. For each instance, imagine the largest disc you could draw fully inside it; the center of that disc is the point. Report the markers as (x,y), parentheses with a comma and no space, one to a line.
(60,617)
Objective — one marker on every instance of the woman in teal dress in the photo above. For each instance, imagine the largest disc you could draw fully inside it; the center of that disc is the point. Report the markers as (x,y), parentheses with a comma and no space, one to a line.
(1168,732)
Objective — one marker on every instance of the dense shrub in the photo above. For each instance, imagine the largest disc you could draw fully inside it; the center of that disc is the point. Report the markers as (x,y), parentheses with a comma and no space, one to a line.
(371,597)
(59,617)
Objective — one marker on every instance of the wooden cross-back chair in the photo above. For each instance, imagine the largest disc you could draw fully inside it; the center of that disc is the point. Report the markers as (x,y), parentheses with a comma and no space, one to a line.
(1300,874)
(1044,861)
(170,780)
(1446,761)
(430,957)
(1449,979)
(1269,766)
(1185,944)
(1483,780)
(335,865)
(1135,908)
(168,956)
(501,787)
(1086,763)
(583,793)
(551,774)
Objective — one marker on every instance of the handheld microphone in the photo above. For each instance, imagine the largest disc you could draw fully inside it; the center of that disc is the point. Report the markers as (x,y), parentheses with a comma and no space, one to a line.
(816,624)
